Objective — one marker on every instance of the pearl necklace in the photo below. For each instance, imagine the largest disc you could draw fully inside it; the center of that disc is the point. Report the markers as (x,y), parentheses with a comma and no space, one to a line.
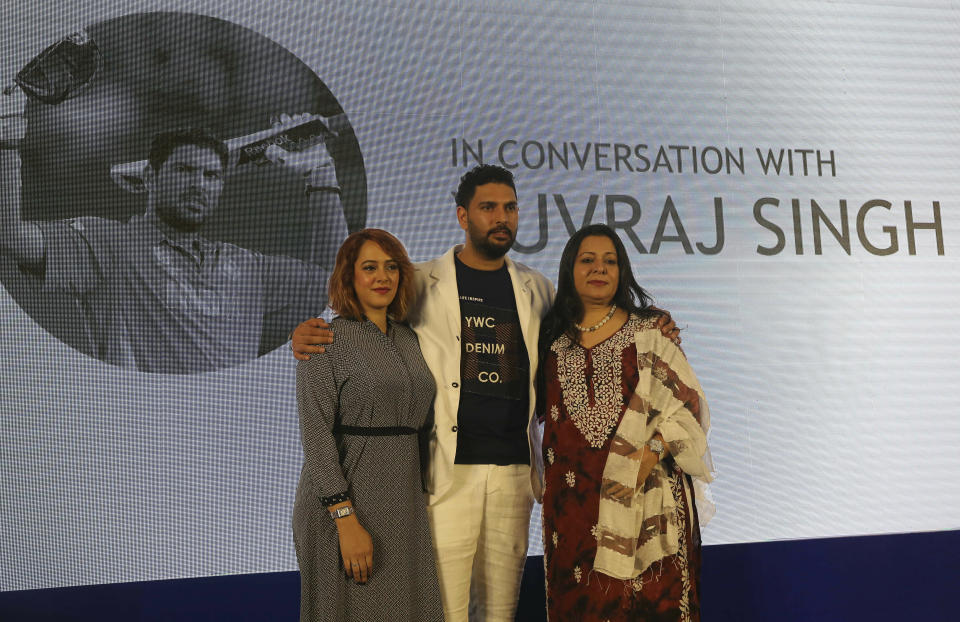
(598,324)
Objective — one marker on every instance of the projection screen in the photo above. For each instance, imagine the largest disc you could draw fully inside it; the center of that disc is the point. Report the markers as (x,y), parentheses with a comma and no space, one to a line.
(783,176)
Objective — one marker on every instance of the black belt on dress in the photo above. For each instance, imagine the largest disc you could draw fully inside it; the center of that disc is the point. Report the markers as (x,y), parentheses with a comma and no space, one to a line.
(354,430)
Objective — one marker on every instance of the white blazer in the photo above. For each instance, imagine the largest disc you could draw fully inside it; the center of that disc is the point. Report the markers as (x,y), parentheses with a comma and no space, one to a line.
(436,319)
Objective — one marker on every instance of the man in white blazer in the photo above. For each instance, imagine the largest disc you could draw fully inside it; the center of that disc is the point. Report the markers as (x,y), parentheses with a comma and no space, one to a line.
(477,317)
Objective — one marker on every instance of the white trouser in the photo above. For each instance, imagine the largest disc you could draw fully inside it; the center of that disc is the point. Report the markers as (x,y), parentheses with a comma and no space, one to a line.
(479,529)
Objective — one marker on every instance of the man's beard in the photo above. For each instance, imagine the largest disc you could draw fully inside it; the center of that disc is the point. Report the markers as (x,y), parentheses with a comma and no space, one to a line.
(487,247)
(185,223)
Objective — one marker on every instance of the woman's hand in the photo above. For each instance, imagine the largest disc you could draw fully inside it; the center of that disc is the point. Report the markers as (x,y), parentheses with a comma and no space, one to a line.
(356,548)
(648,460)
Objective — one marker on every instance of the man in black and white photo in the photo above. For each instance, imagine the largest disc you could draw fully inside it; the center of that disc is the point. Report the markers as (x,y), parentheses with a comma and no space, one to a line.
(154,293)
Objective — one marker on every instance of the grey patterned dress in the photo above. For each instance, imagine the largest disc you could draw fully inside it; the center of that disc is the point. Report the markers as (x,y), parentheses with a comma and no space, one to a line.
(365,379)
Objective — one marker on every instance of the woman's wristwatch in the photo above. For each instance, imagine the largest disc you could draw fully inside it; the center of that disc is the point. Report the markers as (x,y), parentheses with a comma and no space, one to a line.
(656,446)
(346,510)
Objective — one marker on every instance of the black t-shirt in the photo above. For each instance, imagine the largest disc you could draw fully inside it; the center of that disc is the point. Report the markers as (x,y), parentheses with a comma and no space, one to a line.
(494,371)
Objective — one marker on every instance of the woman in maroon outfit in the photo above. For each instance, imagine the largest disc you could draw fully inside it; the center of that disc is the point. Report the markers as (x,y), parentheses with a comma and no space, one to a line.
(624,447)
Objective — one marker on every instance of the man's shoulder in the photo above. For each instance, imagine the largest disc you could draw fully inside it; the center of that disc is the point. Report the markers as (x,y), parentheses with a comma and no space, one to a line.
(437,262)
(531,272)
(537,278)
(423,267)
(101,237)
(438,267)
(88,225)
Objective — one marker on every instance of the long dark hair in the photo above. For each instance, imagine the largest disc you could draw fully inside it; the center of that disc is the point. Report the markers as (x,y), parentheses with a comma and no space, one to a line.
(567,307)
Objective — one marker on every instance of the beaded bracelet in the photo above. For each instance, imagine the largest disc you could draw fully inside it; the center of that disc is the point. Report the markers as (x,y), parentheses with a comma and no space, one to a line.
(335,499)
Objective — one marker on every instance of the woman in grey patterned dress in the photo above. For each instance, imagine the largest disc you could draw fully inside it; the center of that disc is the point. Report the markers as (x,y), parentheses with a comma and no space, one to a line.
(359,520)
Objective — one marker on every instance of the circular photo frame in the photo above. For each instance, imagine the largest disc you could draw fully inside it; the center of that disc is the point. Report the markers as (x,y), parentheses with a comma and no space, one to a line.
(95,102)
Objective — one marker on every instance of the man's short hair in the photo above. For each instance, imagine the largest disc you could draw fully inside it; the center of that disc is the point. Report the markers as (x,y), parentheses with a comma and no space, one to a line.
(165,143)
(478,176)
(343,296)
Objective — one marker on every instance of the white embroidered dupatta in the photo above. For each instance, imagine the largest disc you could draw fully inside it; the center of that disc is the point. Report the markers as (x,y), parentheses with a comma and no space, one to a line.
(635,533)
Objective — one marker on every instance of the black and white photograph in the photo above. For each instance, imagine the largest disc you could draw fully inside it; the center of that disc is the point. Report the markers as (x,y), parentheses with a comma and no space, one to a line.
(185,264)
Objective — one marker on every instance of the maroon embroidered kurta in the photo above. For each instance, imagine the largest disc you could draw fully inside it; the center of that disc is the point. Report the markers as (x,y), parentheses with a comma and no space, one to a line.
(586,395)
